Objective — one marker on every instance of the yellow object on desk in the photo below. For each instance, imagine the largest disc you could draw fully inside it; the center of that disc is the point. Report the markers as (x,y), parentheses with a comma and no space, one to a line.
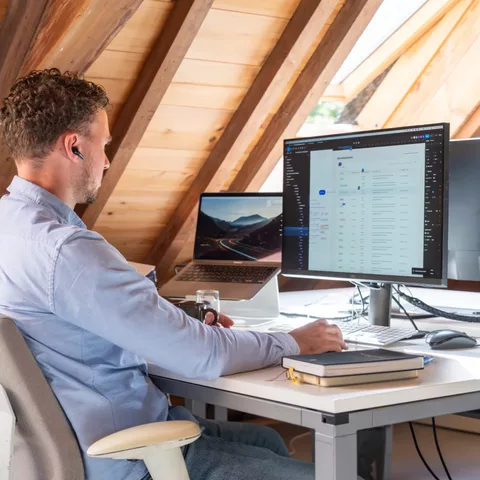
(299,378)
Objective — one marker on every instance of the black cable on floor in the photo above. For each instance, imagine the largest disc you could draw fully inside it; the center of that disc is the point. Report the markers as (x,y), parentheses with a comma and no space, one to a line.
(420,453)
(438,449)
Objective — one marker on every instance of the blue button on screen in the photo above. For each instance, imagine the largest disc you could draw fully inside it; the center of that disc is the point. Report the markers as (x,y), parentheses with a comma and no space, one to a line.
(322,192)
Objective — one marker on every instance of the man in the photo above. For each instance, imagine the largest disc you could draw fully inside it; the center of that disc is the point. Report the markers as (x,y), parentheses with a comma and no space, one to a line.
(90,319)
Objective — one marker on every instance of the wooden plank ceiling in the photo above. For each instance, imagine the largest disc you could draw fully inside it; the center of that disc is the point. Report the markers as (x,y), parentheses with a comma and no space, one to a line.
(224,59)
(36,34)
(239,69)
(203,91)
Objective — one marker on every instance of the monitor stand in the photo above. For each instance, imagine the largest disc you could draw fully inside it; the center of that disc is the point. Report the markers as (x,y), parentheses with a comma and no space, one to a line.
(262,309)
(380,306)
(379,311)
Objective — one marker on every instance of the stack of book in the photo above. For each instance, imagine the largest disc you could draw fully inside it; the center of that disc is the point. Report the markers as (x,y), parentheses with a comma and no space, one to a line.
(352,367)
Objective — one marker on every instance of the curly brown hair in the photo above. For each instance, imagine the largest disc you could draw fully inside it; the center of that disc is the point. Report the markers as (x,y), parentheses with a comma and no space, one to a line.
(44,105)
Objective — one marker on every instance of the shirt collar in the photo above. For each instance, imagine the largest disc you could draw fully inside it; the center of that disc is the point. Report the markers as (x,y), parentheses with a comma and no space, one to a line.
(23,188)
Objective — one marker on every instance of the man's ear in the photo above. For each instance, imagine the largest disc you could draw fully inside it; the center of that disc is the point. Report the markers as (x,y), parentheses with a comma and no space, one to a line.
(67,143)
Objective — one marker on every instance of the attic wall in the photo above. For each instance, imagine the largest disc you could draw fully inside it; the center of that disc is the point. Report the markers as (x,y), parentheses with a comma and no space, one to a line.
(228,52)
(3,8)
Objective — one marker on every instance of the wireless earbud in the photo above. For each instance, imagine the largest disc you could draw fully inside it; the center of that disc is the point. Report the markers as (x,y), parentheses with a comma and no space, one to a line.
(76,152)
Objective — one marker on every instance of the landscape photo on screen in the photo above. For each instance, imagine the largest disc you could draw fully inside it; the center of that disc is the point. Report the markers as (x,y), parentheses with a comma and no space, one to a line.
(239,228)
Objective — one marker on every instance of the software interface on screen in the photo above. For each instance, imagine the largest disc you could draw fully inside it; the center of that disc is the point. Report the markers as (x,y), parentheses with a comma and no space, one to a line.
(244,228)
(366,204)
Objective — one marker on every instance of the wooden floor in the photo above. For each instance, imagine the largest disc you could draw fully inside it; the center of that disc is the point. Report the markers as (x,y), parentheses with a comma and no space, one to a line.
(461,452)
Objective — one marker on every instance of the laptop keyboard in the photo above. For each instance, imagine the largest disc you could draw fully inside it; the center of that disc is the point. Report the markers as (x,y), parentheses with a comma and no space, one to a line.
(226,274)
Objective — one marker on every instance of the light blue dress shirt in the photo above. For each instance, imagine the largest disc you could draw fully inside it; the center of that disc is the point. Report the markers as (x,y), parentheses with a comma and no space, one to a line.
(90,320)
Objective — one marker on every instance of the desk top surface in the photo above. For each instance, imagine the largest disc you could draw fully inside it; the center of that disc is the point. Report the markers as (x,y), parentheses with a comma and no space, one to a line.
(453,372)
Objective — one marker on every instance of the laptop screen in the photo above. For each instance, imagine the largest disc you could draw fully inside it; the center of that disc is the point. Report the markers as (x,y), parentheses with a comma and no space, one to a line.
(239,226)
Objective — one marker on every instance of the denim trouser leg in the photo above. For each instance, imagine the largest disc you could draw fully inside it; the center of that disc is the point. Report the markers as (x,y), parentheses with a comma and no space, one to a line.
(242,451)
(239,451)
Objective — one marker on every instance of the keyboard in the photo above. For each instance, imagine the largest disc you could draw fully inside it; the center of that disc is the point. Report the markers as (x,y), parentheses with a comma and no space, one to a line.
(226,273)
(366,334)
(375,335)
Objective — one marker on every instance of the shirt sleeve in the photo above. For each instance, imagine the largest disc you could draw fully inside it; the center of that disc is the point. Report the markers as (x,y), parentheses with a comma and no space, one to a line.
(95,288)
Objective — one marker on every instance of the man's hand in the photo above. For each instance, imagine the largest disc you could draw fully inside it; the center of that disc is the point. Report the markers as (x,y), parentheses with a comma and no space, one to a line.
(223,320)
(319,337)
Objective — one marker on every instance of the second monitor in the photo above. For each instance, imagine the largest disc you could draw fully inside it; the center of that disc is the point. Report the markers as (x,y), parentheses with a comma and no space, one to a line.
(369,206)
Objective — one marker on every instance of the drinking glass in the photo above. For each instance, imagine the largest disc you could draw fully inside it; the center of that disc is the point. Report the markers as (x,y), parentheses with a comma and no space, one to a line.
(211,298)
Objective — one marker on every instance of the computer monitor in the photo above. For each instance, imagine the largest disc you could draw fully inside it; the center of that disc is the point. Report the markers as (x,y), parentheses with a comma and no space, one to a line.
(464,210)
(368,206)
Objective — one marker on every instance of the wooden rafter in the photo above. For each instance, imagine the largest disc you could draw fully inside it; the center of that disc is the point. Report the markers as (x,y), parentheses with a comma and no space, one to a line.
(16,33)
(398,43)
(38,34)
(173,43)
(433,96)
(471,127)
(88,26)
(272,80)
(321,68)
(407,70)
(334,93)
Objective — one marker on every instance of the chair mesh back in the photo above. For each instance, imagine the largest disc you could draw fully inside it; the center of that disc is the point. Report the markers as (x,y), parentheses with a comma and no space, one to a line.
(45,447)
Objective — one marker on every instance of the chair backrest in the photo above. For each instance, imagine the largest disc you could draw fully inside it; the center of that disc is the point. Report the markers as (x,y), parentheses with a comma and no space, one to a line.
(45,447)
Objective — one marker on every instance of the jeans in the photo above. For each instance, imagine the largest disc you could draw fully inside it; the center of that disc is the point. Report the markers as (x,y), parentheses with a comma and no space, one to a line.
(240,451)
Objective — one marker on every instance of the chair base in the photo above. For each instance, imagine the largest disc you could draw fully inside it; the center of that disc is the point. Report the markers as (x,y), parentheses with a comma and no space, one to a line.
(164,464)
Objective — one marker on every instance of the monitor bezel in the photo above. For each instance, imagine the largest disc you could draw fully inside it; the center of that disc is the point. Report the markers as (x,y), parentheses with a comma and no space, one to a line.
(361,277)
(455,141)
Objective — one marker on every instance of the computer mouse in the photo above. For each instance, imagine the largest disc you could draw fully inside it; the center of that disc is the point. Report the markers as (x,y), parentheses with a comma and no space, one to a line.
(449,339)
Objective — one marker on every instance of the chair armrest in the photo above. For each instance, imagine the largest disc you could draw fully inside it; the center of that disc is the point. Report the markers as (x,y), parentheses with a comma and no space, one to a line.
(170,434)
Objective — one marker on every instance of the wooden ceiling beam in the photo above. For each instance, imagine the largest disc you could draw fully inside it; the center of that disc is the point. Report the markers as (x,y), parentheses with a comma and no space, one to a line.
(17,29)
(265,92)
(399,42)
(37,34)
(437,95)
(88,26)
(166,56)
(471,127)
(328,57)
(408,69)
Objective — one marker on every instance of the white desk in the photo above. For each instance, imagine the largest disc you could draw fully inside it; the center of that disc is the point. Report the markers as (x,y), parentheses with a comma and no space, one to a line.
(450,384)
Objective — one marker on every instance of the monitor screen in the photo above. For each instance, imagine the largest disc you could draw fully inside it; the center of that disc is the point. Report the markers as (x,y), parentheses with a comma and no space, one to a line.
(367,206)
(464,210)
(239,226)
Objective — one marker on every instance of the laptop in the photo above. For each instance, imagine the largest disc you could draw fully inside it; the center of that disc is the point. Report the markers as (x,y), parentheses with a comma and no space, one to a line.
(238,245)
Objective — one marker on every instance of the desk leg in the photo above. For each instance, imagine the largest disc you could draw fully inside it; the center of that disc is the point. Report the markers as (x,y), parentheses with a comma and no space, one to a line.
(197,408)
(335,457)
(384,466)
(220,413)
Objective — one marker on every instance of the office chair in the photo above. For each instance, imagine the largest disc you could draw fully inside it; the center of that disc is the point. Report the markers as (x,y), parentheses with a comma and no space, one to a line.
(37,442)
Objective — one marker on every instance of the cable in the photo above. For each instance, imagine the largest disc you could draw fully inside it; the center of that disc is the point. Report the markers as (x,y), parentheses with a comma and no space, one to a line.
(370,286)
(420,453)
(291,448)
(438,449)
(403,309)
(361,297)
(435,311)
(177,268)
(355,314)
